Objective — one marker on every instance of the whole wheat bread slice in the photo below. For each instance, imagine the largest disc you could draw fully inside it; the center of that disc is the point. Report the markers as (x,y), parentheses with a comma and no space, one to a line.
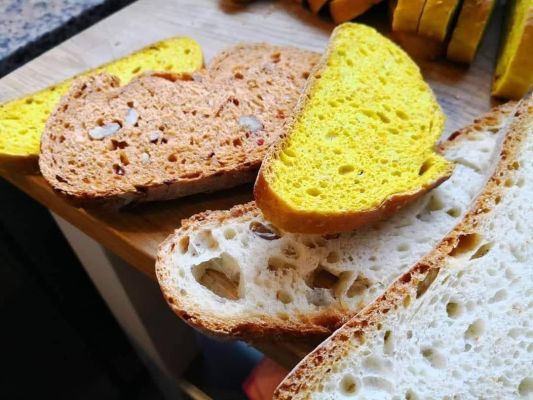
(164,136)
(458,324)
(233,273)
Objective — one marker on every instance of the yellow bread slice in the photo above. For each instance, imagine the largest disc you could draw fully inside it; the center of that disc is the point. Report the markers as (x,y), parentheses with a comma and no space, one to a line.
(345,10)
(22,120)
(468,32)
(360,143)
(514,71)
(406,15)
(316,5)
(436,18)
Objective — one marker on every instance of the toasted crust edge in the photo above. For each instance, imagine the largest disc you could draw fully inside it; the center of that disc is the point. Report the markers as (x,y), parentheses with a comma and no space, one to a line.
(319,325)
(285,216)
(300,382)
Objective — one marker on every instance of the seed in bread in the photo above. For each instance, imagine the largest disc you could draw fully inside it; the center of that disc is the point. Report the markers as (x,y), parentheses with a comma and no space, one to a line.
(361,143)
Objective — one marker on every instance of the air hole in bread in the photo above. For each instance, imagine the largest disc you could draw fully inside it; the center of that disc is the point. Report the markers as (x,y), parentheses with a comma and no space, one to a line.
(333,257)
(454,309)
(403,247)
(423,286)
(184,244)
(426,165)
(388,343)
(465,244)
(207,240)
(279,264)
(284,296)
(475,329)
(498,296)
(349,385)
(435,359)
(220,275)
(267,232)
(229,233)
(359,286)
(525,387)
(482,251)
(124,159)
(172,158)
(290,251)
(323,279)
(435,203)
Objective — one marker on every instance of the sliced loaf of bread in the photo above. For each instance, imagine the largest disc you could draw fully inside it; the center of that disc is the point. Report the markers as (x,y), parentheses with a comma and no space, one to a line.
(468,32)
(234,273)
(437,18)
(360,144)
(164,135)
(406,15)
(458,324)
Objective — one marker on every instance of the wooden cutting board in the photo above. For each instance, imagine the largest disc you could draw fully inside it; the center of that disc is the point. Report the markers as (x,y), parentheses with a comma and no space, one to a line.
(134,235)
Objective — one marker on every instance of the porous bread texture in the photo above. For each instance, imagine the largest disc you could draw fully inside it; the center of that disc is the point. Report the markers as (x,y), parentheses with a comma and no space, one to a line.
(22,120)
(437,18)
(233,273)
(164,135)
(469,29)
(360,144)
(406,15)
(514,71)
(458,324)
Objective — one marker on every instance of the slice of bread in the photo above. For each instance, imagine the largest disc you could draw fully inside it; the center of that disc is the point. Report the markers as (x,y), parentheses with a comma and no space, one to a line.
(22,121)
(458,324)
(468,32)
(233,273)
(360,144)
(437,18)
(346,10)
(406,15)
(164,136)
(514,72)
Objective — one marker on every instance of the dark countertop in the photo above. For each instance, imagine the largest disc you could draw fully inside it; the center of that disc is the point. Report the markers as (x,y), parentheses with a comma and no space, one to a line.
(30,27)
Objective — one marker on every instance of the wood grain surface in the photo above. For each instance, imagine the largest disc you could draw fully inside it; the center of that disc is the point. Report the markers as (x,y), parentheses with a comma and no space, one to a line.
(135,234)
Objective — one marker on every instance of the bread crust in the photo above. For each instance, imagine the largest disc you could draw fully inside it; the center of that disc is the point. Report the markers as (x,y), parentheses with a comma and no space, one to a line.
(318,325)
(302,380)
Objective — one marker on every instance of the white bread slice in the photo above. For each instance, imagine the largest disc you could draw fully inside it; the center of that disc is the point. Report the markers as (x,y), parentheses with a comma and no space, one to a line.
(458,324)
(232,273)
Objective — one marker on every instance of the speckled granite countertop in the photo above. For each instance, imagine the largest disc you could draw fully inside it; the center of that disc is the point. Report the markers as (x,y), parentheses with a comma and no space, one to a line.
(30,27)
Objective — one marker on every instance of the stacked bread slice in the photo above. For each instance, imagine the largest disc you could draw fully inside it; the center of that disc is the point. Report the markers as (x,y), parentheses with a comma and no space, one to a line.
(22,120)
(234,273)
(166,135)
(458,323)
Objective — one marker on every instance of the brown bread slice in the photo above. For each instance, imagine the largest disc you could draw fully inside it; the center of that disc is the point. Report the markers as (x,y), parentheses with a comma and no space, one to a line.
(164,136)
